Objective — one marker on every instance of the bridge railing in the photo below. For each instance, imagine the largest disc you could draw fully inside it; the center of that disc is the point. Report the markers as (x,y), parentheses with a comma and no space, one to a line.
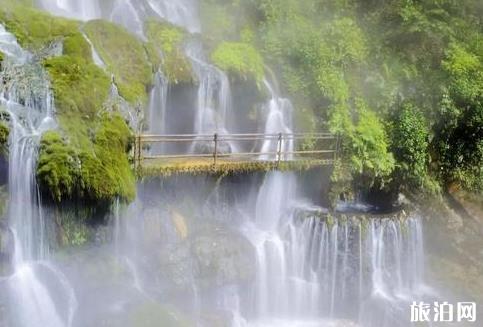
(322,146)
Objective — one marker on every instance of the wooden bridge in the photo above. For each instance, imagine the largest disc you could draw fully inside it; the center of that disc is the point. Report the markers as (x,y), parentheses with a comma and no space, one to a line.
(161,155)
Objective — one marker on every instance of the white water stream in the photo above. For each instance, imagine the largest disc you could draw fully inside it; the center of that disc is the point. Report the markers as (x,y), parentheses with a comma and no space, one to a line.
(308,271)
(25,94)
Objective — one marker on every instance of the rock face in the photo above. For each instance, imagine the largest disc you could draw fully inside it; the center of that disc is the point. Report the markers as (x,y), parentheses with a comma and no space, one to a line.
(222,258)
(454,246)
(6,248)
(213,258)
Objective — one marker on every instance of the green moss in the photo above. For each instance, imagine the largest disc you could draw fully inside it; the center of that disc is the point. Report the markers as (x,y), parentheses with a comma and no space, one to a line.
(88,157)
(4,134)
(33,28)
(125,56)
(164,48)
(80,87)
(76,45)
(58,168)
(97,170)
(92,163)
(238,58)
(106,171)
(168,168)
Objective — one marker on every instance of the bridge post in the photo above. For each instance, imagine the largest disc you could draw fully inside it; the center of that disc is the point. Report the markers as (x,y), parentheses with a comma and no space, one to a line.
(134,151)
(279,149)
(215,152)
(139,149)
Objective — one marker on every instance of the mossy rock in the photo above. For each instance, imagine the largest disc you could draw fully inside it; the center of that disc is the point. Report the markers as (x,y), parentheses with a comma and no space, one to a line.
(125,57)
(58,168)
(106,171)
(80,87)
(76,45)
(97,171)
(165,51)
(239,59)
(4,136)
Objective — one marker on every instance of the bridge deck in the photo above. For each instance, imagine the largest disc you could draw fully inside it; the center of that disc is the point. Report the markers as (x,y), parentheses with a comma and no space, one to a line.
(322,153)
(167,167)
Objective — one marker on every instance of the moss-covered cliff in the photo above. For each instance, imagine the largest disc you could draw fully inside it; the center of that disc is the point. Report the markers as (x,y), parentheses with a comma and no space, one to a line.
(164,47)
(88,156)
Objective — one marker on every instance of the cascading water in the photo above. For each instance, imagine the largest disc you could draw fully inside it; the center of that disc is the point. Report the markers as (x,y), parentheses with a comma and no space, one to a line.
(279,120)
(25,94)
(214,99)
(96,58)
(83,10)
(157,110)
(190,243)
(128,13)
(313,272)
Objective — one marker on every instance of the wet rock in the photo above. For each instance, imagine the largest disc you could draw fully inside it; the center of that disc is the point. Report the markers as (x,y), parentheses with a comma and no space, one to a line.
(209,258)
(153,314)
(175,266)
(4,196)
(222,257)
(209,147)
(6,249)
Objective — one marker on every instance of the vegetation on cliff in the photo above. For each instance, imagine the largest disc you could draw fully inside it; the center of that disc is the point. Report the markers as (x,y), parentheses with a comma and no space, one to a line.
(402,83)
(164,47)
(414,66)
(77,161)
(125,57)
(240,59)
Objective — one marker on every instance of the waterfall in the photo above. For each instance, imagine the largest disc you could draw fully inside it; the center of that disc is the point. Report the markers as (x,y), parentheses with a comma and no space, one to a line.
(96,58)
(311,269)
(183,241)
(279,120)
(25,93)
(128,13)
(82,10)
(213,101)
(157,110)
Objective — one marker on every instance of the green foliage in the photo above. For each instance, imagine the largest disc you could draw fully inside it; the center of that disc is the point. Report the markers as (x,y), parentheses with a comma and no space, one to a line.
(334,55)
(240,59)
(125,57)
(165,49)
(410,144)
(465,71)
(369,148)
(460,128)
